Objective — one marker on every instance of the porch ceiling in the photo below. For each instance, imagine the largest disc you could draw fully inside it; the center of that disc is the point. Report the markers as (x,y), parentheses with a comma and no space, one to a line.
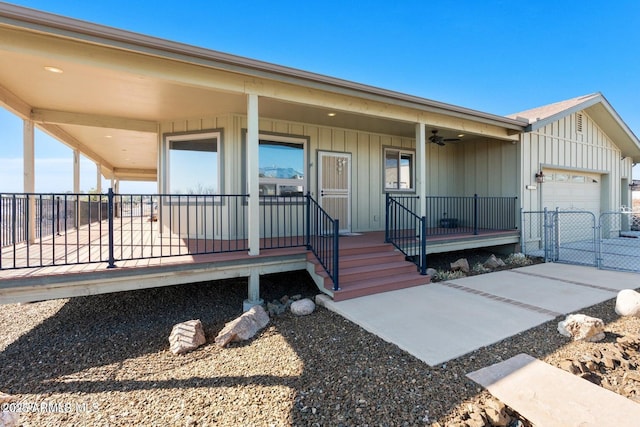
(110,97)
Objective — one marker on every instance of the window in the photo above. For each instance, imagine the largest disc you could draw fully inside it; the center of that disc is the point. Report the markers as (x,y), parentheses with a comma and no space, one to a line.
(398,167)
(194,163)
(281,166)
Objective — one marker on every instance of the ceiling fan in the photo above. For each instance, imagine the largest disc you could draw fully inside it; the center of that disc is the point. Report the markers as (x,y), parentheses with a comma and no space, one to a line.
(437,139)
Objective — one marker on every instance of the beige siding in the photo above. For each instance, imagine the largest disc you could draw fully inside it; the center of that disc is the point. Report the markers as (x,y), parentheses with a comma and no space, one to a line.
(483,167)
(559,145)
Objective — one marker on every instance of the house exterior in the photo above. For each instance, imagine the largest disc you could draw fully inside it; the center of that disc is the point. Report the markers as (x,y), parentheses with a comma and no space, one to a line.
(585,153)
(242,149)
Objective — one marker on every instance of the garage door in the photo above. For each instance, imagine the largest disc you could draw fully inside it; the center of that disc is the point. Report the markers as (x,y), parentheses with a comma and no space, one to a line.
(569,190)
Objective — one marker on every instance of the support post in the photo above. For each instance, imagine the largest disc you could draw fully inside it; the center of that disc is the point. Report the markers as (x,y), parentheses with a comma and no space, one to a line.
(307,231)
(112,261)
(98,178)
(423,245)
(421,169)
(76,171)
(253,291)
(336,255)
(253,174)
(476,213)
(29,179)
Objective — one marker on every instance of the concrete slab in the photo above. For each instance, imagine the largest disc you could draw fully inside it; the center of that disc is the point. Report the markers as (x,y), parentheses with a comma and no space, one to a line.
(442,321)
(548,396)
(615,280)
(436,323)
(551,294)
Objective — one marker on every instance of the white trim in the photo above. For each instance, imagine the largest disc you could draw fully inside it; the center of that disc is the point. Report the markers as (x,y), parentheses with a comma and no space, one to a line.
(284,181)
(344,228)
(401,151)
(253,181)
(190,136)
(421,168)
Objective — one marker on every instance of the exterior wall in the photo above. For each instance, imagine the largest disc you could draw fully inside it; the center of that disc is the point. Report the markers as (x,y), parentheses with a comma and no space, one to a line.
(367,197)
(559,145)
(484,167)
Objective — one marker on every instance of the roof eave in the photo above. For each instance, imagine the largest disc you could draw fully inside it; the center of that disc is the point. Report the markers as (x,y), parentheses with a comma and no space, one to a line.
(94,33)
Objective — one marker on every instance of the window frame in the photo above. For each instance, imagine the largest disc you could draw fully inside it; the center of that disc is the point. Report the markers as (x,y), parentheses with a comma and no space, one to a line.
(194,136)
(412,167)
(284,139)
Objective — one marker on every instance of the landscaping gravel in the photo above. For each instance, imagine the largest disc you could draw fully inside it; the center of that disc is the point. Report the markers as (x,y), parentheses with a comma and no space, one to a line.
(104,360)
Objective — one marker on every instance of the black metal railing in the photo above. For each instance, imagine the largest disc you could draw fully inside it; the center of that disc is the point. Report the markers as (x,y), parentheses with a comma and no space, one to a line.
(167,225)
(406,230)
(322,236)
(282,221)
(112,228)
(456,215)
(81,228)
(54,213)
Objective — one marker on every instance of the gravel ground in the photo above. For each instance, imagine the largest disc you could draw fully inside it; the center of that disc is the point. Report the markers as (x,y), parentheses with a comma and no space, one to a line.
(104,360)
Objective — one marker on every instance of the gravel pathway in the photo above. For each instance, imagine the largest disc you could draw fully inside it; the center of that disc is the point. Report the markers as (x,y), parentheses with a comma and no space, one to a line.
(104,360)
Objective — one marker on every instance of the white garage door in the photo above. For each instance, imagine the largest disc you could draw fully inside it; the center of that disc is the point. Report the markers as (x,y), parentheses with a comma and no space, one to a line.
(569,190)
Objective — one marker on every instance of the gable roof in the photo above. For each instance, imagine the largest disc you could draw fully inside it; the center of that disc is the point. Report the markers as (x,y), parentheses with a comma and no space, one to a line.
(598,108)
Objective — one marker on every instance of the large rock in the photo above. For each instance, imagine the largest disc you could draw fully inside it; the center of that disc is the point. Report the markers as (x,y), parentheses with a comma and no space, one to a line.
(432,272)
(303,307)
(462,264)
(492,262)
(7,418)
(186,337)
(244,327)
(582,327)
(628,303)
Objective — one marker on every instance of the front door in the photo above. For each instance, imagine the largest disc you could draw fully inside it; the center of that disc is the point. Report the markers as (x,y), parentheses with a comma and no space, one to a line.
(334,186)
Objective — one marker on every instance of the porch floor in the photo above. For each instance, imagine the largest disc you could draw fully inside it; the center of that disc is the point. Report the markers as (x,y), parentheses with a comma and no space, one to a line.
(177,258)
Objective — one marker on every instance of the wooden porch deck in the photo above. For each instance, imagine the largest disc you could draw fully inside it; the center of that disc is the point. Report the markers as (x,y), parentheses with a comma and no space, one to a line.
(79,260)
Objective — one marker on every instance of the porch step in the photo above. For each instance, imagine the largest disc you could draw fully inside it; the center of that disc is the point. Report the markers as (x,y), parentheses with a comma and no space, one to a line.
(366,287)
(369,269)
(361,259)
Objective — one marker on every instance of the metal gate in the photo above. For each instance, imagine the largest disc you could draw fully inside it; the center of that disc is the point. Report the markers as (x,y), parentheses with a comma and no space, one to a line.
(578,237)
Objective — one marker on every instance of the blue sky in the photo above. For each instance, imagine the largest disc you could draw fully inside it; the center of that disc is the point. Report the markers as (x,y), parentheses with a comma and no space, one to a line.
(495,56)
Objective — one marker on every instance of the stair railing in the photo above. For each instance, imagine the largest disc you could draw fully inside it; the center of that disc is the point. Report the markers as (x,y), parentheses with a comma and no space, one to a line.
(406,230)
(322,235)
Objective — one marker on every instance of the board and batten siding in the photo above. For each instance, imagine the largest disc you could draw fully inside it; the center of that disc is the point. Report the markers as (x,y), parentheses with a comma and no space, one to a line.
(367,196)
(485,167)
(559,145)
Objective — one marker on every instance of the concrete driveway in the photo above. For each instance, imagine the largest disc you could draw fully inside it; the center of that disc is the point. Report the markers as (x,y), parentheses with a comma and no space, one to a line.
(442,321)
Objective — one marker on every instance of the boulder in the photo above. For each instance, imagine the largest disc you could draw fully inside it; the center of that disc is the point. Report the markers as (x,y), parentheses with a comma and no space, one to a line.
(628,303)
(303,307)
(6,398)
(186,337)
(460,265)
(582,327)
(244,327)
(492,262)
(432,272)
(7,418)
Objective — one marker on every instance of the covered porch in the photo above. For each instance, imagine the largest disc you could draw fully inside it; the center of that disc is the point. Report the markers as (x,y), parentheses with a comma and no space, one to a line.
(237,148)
(122,242)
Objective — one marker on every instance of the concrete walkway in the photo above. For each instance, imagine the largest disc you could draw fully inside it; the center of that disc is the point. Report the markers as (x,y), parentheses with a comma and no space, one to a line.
(442,321)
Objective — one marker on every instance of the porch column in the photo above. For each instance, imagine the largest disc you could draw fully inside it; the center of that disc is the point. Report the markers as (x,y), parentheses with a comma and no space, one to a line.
(98,179)
(253,297)
(421,168)
(253,209)
(76,171)
(29,178)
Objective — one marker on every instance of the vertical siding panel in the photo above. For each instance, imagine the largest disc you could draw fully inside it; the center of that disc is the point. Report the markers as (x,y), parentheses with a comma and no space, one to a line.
(338,140)
(281,127)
